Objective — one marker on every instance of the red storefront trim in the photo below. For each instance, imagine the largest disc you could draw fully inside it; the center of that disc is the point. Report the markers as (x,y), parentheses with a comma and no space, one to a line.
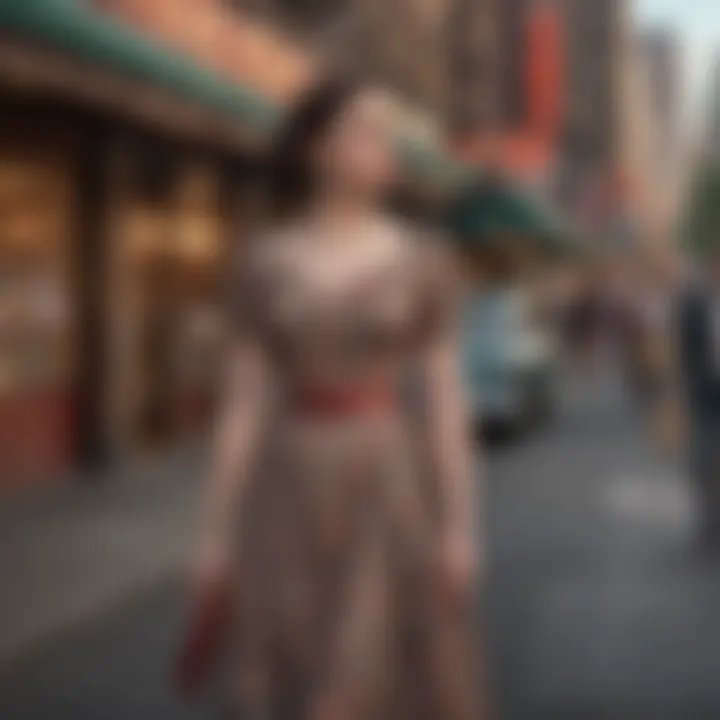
(37,436)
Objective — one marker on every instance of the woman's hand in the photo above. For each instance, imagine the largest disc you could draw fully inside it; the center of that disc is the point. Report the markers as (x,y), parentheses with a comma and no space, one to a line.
(210,567)
(461,565)
(210,612)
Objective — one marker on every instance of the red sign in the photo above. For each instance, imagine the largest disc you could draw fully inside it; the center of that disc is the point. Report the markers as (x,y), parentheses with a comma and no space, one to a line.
(545,71)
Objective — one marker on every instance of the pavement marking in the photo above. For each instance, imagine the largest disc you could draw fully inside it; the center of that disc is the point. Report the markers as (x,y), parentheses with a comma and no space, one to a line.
(651,499)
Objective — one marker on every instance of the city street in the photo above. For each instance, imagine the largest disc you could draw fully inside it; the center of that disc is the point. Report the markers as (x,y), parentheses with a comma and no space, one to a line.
(599,604)
(181,178)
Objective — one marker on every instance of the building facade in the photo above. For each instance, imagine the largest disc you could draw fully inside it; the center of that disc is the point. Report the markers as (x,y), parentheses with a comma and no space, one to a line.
(123,174)
(594,42)
(662,59)
(508,85)
(494,49)
(597,33)
(514,16)
(474,67)
(401,44)
(664,67)
(642,142)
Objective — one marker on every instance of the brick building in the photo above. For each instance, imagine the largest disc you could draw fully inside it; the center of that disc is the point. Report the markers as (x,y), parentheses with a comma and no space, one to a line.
(597,34)
(474,74)
(402,44)
(508,81)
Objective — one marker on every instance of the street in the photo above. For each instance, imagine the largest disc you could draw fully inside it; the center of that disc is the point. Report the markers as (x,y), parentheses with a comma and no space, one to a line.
(599,604)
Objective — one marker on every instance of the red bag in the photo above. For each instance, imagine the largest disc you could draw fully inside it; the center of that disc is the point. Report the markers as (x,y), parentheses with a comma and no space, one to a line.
(205,640)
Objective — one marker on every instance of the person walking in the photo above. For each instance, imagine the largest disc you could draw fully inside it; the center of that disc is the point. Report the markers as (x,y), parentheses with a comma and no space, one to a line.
(585,323)
(699,357)
(345,543)
(645,323)
(665,403)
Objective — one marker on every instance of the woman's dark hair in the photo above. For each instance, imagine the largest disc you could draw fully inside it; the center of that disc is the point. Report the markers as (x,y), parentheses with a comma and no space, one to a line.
(292,179)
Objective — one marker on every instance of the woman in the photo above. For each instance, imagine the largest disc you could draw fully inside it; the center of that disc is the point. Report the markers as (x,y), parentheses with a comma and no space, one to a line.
(348,538)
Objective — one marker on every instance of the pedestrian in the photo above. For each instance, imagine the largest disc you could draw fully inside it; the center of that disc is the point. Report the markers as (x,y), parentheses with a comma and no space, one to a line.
(666,416)
(642,333)
(584,323)
(338,546)
(699,356)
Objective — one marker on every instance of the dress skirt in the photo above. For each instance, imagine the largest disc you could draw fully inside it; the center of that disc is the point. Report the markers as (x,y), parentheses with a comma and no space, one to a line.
(339,612)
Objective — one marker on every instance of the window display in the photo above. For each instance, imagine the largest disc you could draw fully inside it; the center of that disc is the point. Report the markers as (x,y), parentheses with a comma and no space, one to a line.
(199,322)
(35,313)
(37,329)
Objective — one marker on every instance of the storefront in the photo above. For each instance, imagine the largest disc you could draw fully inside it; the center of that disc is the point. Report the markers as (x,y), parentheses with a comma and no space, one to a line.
(114,214)
(37,321)
(204,238)
(111,294)
(172,229)
(172,226)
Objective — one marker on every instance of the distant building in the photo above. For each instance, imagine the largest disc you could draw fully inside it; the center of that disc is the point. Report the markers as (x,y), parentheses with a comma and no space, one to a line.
(507,87)
(661,51)
(474,72)
(640,148)
(594,43)
(491,55)
(512,65)
(596,36)
(649,160)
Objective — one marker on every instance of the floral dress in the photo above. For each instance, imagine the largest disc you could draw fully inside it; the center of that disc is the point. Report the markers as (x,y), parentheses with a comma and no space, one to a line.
(338,613)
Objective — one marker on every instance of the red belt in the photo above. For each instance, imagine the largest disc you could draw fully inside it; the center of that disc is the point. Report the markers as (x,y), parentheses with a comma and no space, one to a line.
(344,402)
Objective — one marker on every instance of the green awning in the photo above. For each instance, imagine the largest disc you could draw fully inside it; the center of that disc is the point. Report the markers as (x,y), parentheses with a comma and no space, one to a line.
(429,164)
(487,212)
(101,40)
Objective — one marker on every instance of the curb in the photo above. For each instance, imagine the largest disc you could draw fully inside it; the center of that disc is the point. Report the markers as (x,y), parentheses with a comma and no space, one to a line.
(34,640)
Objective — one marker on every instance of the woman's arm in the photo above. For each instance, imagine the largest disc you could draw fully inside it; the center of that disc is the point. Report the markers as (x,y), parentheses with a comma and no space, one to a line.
(449,432)
(241,420)
(451,447)
(240,424)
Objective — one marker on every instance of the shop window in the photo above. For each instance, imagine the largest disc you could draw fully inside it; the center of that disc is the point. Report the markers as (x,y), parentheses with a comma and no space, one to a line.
(36,324)
(154,177)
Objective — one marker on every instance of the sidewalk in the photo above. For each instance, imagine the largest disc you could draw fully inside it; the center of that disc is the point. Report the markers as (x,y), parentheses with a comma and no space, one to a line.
(599,605)
(70,552)
(603,604)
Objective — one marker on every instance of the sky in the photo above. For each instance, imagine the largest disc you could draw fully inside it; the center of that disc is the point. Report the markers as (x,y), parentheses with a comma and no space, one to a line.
(698,26)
